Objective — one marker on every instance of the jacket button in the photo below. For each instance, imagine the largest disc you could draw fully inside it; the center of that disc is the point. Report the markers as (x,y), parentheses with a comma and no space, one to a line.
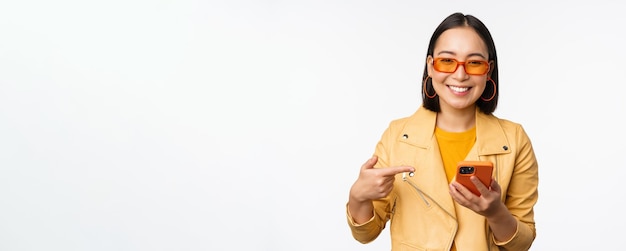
(405,136)
(505,148)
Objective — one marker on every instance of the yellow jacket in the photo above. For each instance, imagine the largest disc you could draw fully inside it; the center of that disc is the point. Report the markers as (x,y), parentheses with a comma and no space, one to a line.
(423,215)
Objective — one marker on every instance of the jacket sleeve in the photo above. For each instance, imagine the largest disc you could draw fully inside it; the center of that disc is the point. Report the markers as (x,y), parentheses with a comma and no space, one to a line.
(369,231)
(522,194)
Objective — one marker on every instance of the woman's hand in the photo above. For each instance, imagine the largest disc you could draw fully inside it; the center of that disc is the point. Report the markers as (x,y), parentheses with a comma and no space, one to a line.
(487,204)
(375,183)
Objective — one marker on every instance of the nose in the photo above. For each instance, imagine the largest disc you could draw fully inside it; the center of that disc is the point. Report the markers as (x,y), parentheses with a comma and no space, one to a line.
(460,73)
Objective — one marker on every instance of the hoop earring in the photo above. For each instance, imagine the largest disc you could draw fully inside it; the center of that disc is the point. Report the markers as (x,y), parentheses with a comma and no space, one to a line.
(426,92)
(494,91)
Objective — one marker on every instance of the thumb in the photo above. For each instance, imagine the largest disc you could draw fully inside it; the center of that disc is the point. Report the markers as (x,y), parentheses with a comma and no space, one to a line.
(369,164)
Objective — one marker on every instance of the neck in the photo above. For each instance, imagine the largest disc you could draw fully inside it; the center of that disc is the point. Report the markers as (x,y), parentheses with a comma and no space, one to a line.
(454,120)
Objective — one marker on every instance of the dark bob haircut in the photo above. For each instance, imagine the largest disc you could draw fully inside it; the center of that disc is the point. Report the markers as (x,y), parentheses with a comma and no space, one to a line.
(460,20)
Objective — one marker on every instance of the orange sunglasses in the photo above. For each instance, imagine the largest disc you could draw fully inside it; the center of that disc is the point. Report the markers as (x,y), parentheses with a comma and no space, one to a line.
(472,67)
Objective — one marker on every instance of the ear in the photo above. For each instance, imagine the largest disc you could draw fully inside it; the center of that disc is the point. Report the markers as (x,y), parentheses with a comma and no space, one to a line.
(491,67)
(429,65)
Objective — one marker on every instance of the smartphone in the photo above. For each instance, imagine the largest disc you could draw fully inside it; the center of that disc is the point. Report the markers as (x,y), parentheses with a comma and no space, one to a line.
(480,169)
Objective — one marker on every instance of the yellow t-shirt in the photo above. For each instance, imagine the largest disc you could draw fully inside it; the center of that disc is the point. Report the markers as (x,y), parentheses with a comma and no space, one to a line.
(454,147)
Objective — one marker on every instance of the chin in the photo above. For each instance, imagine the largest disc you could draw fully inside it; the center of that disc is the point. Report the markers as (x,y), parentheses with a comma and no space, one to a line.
(461,106)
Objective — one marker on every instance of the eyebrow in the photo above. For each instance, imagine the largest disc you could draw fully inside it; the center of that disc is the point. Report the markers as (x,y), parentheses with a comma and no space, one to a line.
(454,54)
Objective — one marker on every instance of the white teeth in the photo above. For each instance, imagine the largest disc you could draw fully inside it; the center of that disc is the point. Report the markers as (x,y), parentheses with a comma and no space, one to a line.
(459,89)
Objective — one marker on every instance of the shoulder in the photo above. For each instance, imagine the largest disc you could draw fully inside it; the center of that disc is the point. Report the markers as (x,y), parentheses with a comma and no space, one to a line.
(420,116)
(505,124)
(415,129)
(514,130)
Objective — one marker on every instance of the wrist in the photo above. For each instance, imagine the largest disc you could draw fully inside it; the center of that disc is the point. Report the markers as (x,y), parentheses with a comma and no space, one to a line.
(499,214)
(355,199)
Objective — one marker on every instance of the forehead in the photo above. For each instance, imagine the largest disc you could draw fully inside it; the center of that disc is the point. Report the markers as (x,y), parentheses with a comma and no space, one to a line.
(461,42)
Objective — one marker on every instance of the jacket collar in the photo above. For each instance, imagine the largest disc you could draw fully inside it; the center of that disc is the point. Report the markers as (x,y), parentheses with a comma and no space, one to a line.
(490,137)
(420,127)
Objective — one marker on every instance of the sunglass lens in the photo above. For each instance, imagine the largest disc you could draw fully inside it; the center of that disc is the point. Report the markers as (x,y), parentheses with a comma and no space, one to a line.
(447,65)
(476,67)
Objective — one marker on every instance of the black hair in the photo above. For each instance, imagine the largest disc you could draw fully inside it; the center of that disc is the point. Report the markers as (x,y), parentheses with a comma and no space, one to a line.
(460,20)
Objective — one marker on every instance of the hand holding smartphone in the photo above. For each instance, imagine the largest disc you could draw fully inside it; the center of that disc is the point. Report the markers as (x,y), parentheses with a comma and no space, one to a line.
(481,169)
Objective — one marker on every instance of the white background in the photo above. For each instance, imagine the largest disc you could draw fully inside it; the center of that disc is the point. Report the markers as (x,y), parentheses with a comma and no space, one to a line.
(241,125)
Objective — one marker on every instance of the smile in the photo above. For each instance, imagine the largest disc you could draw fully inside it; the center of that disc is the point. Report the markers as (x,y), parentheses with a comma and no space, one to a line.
(458,89)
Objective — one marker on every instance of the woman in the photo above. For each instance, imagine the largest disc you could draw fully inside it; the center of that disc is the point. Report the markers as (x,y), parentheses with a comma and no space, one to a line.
(410,180)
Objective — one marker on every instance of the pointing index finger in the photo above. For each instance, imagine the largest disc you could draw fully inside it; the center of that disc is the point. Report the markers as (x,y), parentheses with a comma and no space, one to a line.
(391,171)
